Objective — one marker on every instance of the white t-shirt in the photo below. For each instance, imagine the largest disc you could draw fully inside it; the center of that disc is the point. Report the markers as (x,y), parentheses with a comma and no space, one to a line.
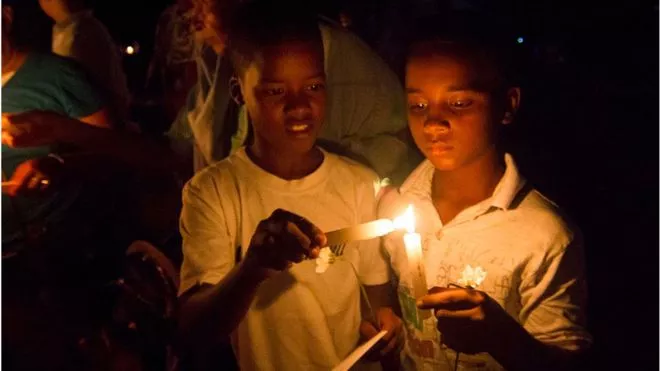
(531,255)
(300,319)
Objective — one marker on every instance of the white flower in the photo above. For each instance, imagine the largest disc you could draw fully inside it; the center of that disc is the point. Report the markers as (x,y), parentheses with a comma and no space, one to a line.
(472,277)
(380,184)
(326,257)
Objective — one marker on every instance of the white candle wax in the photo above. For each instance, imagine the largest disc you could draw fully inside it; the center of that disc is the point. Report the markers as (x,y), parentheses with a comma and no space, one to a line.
(413,244)
(365,231)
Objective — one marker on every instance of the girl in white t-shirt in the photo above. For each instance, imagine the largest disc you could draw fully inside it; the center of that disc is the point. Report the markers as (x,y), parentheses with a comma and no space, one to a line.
(248,267)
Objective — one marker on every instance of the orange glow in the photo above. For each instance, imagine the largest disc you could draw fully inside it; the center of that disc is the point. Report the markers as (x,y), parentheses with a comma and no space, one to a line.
(406,220)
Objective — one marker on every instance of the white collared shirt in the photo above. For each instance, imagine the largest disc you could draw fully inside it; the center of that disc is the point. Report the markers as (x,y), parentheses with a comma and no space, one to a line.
(532,256)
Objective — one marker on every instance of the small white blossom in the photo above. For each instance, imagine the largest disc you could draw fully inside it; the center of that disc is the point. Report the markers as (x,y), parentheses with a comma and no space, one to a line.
(326,257)
(472,277)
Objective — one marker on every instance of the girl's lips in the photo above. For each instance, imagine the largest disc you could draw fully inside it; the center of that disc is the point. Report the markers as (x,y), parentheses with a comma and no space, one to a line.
(439,147)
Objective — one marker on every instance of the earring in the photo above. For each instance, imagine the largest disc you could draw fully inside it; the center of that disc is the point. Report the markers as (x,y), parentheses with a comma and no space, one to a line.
(235,91)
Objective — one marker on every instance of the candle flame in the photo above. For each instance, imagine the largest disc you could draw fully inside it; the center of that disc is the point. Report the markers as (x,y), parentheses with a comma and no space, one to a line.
(406,220)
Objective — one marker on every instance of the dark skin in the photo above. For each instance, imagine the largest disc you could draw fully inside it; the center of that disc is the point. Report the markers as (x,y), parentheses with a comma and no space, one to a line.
(279,241)
(286,101)
(453,112)
(38,128)
(285,96)
(452,115)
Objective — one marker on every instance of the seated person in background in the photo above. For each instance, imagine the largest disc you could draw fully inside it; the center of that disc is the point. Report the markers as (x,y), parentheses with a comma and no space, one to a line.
(477,214)
(77,34)
(248,269)
(35,81)
(365,116)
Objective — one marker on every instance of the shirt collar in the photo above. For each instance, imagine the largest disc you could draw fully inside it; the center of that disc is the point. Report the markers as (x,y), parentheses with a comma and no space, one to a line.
(508,187)
(419,181)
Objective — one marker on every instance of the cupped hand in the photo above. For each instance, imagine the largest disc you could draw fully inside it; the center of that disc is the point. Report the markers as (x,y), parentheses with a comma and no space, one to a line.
(469,320)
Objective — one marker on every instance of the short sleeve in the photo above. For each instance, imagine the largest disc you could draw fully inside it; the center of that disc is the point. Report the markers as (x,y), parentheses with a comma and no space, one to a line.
(208,246)
(79,97)
(373,268)
(554,294)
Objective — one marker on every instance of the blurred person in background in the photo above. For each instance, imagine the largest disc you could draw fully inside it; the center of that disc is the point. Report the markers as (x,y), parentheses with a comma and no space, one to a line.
(77,34)
(33,82)
(48,209)
(172,70)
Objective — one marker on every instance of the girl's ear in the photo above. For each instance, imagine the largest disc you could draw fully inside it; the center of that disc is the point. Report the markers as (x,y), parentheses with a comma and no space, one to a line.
(235,91)
(512,104)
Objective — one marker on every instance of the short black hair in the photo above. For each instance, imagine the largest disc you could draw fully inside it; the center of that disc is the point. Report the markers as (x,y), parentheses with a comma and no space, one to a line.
(260,23)
(482,37)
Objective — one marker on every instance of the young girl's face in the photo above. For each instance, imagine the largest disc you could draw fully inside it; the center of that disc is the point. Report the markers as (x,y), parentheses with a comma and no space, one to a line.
(451,108)
(284,93)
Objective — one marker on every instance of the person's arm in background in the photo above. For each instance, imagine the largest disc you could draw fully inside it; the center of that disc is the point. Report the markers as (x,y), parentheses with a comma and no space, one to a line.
(40,128)
(101,118)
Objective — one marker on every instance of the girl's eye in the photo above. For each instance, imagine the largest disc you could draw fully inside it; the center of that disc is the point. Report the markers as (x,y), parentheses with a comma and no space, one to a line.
(461,103)
(274,92)
(316,87)
(417,107)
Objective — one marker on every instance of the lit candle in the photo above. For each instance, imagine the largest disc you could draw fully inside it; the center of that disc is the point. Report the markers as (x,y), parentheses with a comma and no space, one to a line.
(364,231)
(413,245)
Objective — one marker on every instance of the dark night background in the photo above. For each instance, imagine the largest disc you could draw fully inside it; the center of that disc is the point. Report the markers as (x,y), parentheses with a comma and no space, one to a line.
(588,139)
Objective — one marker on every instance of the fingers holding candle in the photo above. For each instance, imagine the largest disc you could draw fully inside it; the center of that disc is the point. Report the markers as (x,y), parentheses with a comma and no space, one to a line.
(440,297)
(32,128)
(462,312)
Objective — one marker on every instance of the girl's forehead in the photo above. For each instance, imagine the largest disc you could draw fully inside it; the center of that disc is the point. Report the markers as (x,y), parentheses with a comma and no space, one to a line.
(438,65)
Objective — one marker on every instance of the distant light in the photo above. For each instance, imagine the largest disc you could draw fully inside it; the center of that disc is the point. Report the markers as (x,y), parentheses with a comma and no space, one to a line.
(520,40)
(130,50)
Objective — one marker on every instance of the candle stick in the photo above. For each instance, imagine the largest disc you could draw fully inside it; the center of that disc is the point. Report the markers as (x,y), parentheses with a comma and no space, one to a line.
(413,245)
(365,231)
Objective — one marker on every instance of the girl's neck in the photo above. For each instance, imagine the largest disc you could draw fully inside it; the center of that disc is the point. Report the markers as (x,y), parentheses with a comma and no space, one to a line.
(286,165)
(455,190)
